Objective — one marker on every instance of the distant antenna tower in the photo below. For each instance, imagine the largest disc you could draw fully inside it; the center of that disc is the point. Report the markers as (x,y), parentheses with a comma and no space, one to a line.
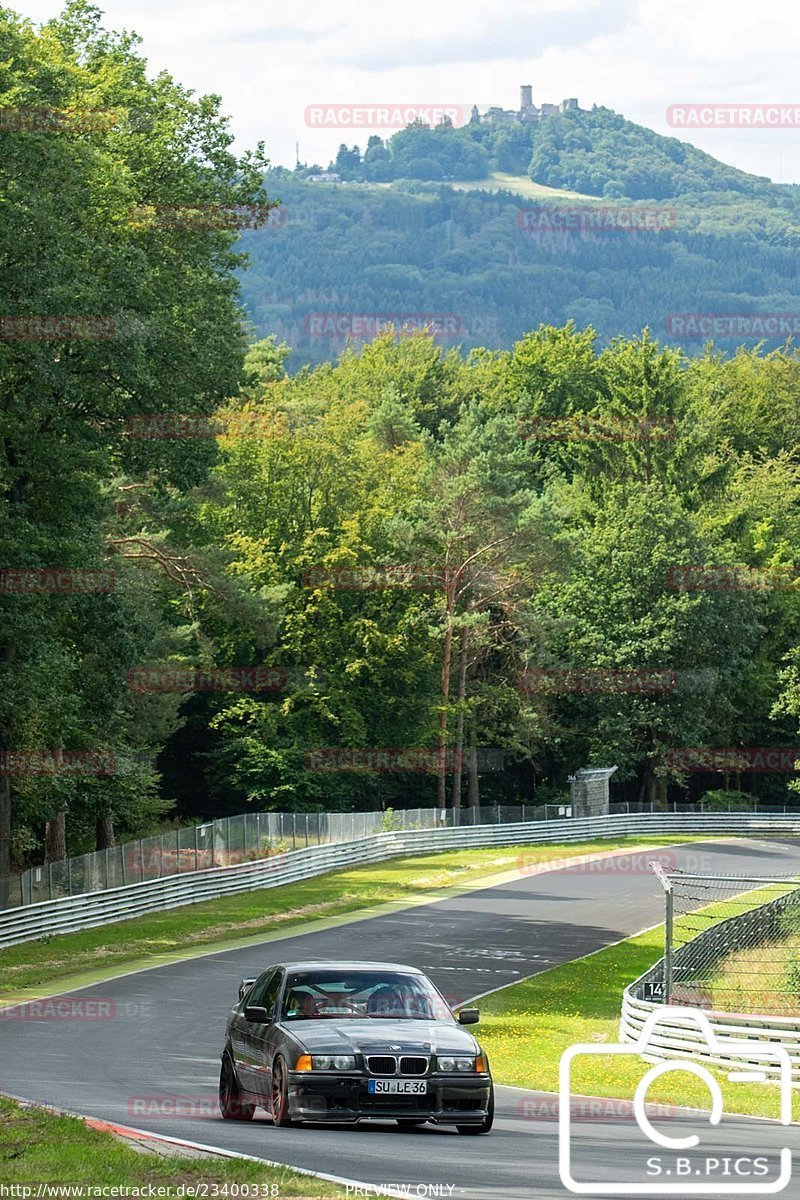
(297,154)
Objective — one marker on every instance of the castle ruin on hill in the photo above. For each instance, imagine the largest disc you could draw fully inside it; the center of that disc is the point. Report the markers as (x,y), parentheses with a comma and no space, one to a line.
(528,113)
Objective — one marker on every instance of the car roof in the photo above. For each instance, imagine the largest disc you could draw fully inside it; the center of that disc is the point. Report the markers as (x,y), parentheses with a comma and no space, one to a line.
(333,965)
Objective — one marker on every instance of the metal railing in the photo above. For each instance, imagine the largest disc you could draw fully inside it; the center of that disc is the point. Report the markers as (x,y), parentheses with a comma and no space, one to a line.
(251,836)
(233,840)
(70,913)
(687,976)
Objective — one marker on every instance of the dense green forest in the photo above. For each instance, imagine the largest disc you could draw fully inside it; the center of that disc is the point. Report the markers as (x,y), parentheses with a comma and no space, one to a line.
(406,552)
(414,249)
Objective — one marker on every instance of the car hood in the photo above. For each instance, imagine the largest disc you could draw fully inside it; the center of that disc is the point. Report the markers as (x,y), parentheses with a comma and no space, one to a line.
(382,1036)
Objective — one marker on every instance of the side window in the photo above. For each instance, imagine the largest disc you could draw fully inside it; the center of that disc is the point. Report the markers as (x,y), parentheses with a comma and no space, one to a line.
(265,992)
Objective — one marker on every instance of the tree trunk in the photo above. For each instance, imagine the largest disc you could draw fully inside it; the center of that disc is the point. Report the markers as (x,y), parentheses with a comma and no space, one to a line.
(7,656)
(474,793)
(462,692)
(104,832)
(5,838)
(662,803)
(447,657)
(55,838)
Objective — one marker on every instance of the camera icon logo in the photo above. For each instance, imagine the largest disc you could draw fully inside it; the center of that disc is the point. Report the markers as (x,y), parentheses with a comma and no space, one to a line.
(688,1175)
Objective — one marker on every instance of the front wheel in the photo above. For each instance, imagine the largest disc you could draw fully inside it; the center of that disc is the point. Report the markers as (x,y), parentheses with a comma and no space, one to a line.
(280,1095)
(487,1122)
(231,1105)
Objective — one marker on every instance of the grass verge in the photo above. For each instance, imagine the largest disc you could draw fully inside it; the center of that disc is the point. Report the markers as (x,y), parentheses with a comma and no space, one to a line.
(92,955)
(39,1147)
(526,1027)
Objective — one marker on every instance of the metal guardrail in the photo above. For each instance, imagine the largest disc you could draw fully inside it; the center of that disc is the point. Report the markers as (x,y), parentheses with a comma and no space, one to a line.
(71,913)
(673,1038)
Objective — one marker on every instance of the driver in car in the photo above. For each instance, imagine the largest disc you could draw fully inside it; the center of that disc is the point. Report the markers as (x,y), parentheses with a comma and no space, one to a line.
(388,1002)
(302,1004)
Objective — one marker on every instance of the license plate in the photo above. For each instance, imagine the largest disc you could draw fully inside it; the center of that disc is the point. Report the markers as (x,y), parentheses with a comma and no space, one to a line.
(405,1087)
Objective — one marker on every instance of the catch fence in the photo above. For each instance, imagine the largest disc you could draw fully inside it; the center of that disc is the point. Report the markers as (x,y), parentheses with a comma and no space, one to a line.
(230,841)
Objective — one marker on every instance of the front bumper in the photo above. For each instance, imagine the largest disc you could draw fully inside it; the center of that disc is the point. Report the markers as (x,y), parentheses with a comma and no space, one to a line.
(449,1100)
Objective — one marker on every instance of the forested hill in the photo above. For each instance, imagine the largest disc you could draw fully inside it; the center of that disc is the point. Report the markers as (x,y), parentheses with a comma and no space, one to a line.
(481,260)
(597,152)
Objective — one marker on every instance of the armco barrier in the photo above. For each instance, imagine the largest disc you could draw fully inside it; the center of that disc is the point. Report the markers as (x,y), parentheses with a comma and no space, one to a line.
(71,913)
(674,1038)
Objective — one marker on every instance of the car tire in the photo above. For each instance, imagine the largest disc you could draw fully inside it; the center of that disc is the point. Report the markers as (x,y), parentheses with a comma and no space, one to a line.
(485,1125)
(410,1122)
(231,1105)
(280,1095)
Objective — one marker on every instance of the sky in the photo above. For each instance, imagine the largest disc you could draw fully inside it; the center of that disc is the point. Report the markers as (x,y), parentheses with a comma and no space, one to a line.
(271,62)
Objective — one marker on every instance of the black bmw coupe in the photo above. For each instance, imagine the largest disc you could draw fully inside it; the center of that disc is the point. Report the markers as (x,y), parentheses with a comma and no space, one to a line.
(347,1042)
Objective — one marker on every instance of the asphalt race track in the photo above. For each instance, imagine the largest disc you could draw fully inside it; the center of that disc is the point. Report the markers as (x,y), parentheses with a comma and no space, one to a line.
(161,1046)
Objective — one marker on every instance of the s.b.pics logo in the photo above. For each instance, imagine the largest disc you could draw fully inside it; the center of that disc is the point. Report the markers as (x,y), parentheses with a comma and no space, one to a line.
(702,1153)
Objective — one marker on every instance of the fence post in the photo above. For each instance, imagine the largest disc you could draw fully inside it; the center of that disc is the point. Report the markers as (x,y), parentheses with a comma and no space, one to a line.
(669,898)
(50,880)
(141,857)
(69,876)
(196,846)
(294,830)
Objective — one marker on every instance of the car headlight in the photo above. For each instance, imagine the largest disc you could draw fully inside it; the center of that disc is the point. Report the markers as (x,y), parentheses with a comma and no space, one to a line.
(333,1062)
(456,1064)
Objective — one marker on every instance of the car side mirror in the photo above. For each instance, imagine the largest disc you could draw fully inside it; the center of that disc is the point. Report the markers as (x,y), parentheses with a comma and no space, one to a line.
(468,1016)
(257,1015)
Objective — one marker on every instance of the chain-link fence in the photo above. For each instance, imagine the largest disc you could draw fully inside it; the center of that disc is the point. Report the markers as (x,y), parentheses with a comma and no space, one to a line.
(239,839)
(732,944)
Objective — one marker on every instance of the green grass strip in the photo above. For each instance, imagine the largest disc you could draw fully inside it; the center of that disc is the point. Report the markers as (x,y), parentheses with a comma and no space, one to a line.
(37,1146)
(526,1027)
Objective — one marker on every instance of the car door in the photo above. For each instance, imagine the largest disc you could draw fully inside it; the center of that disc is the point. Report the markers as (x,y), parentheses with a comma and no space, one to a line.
(260,1037)
(242,1039)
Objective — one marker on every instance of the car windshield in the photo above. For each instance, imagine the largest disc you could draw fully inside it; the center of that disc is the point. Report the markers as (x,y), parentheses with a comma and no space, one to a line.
(382,995)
